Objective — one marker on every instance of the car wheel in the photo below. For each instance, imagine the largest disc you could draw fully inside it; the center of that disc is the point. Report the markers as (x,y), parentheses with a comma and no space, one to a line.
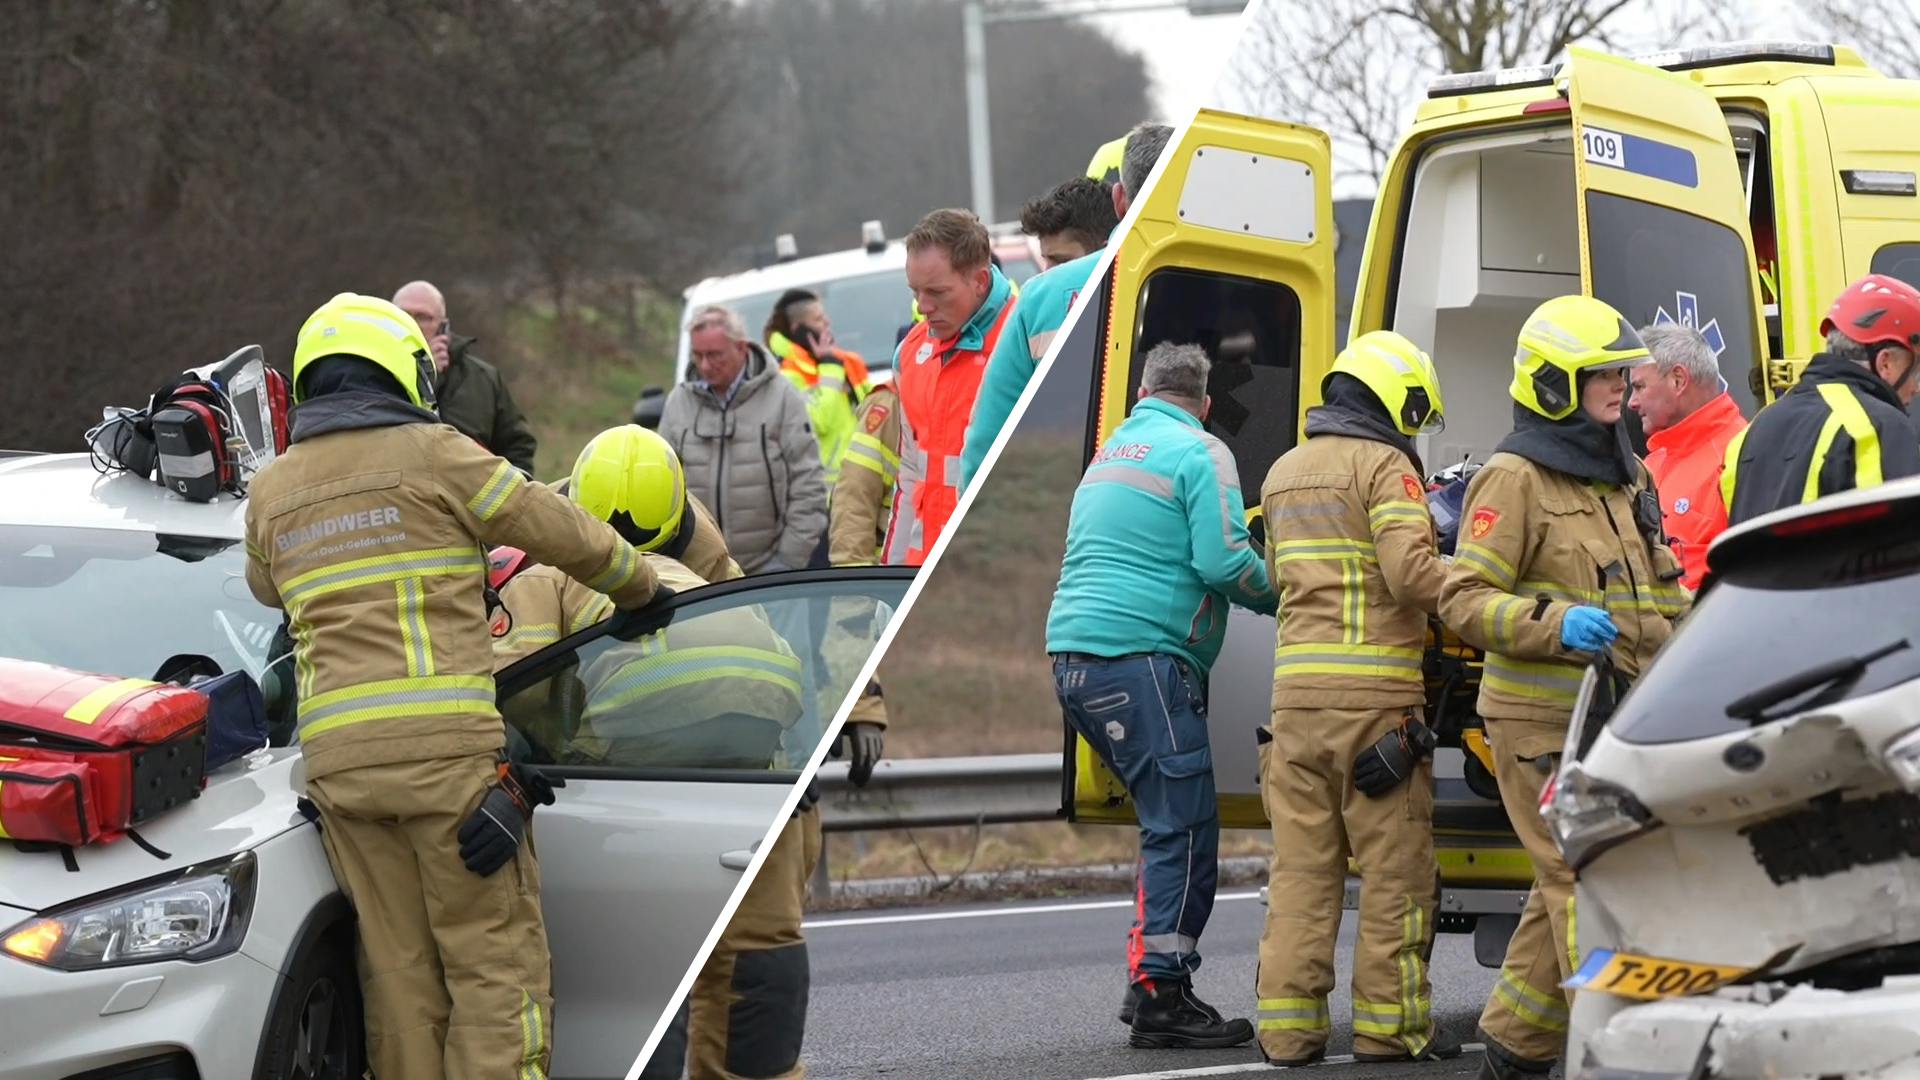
(317,1029)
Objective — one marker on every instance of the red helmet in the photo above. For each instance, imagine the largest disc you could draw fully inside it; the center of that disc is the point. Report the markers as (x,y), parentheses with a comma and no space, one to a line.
(503,563)
(1877,310)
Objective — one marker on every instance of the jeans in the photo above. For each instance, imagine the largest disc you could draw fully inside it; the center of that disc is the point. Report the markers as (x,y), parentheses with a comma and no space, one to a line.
(1146,716)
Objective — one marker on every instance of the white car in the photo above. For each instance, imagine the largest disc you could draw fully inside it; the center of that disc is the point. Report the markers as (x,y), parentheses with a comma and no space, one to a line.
(1746,824)
(864,289)
(233,956)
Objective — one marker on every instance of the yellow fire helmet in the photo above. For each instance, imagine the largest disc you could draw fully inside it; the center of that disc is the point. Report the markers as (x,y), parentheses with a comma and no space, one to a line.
(632,471)
(1105,166)
(1562,338)
(371,329)
(1400,375)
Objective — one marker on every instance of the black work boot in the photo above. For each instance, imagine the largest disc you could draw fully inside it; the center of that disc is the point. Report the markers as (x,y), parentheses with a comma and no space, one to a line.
(1502,1064)
(1131,1002)
(1441,1047)
(1171,1016)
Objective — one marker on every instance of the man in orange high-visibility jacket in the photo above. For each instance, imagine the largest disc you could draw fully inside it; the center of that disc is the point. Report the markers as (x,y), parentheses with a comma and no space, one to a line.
(938,367)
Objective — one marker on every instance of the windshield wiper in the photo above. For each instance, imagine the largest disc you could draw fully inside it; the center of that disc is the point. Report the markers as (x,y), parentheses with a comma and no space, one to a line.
(1830,675)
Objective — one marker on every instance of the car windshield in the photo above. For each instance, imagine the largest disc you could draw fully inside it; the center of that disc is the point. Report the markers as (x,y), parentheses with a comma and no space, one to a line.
(868,312)
(1789,610)
(120,602)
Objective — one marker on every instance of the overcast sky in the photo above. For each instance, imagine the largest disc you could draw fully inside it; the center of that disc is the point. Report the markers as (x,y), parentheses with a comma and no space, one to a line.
(1184,53)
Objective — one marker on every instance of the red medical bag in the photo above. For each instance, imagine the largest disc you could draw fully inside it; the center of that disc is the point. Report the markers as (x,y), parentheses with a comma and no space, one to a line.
(49,802)
(142,744)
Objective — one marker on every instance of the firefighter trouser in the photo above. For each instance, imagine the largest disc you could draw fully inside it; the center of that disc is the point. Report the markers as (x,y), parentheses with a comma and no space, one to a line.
(669,1059)
(749,1005)
(1146,716)
(1306,785)
(453,966)
(1527,1015)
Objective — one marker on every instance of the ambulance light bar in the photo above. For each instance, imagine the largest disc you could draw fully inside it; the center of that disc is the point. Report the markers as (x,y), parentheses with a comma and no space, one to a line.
(1737,52)
(1503,79)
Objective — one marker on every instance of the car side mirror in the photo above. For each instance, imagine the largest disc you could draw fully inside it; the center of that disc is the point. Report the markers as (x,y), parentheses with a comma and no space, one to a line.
(647,410)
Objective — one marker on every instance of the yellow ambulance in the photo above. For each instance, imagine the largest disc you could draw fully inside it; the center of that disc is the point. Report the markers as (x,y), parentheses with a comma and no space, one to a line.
(1733,188)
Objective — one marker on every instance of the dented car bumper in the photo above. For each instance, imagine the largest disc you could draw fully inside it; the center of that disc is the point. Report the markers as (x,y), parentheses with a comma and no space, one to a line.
(1766,1030)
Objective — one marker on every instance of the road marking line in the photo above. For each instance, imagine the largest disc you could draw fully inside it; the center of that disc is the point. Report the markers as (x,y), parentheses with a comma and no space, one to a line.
(936,916)
(1251,1066)
(1218,1070)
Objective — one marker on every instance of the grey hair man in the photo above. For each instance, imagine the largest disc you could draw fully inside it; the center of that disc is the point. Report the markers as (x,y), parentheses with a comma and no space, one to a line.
(1690,419)
(1145,143)
(1681,376)
(1157,548)
(744,440)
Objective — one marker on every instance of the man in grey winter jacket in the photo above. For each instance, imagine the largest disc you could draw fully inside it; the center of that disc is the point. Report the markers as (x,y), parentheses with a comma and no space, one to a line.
(750,455)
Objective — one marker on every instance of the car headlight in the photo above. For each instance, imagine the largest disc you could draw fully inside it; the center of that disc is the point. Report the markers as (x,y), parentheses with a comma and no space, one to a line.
(1902,756)
(197,914)
(1588,816)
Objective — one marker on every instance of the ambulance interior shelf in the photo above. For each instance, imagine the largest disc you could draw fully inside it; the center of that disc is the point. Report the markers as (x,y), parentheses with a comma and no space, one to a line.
(1492,230)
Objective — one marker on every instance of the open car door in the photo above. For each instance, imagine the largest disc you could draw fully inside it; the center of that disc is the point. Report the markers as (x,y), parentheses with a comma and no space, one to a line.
(679,739)
(1664,235)
(1233,251)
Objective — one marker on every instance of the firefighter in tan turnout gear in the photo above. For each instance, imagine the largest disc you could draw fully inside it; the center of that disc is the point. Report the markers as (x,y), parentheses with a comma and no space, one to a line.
(640,709)
(1347,766)
(863,498)
(369,531)
(1560,557)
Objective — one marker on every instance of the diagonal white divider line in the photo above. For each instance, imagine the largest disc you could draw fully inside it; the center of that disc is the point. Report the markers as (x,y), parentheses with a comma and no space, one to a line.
(920,580)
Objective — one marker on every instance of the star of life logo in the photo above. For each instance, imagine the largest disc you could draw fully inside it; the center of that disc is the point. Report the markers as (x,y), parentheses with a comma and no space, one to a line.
(1688,305)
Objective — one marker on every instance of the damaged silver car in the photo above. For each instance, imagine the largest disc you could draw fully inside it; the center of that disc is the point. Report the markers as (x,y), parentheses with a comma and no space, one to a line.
(1745,822)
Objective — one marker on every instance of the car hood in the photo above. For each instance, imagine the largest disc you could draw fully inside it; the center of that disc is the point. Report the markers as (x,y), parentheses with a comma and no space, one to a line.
(244,804)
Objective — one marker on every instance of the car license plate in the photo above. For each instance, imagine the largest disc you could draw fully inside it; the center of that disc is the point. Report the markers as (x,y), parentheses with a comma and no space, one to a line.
(1649,978)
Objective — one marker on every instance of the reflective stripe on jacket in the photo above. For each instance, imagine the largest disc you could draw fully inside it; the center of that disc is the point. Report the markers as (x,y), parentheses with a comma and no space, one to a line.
(938,383)
(834,387)
(1351,553)
(1839,428)
(1535,543)
(372,539)
(863,499)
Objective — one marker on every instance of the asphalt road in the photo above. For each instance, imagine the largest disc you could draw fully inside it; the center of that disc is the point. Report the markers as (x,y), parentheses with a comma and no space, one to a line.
(1030,990)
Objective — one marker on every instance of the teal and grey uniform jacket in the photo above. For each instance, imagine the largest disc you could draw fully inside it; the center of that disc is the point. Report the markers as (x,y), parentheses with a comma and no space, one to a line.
(1157,545)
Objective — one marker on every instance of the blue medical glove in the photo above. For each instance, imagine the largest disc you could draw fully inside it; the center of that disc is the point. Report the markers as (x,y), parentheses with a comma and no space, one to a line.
(1588,629)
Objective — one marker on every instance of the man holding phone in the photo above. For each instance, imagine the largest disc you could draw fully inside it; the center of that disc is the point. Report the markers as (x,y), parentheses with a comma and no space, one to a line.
(832,379)
(473,395)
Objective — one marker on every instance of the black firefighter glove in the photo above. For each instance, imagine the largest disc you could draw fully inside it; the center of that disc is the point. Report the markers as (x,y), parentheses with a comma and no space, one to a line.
(809,798)
(629,623)
(1386,764)
(865,744)
(491,835)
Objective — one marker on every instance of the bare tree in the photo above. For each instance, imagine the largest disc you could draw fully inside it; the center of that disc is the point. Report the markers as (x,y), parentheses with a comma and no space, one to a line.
(1883,30)
(1357,68)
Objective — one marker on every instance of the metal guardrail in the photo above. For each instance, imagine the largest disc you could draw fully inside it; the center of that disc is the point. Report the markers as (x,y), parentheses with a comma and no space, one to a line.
(930,792)
(1004,788)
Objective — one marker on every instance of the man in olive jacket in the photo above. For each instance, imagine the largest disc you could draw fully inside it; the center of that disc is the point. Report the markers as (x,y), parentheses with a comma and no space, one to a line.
(472,394)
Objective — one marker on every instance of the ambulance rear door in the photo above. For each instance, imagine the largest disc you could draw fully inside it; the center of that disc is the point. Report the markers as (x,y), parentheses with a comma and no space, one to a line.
(1234,252)
(1663,210)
